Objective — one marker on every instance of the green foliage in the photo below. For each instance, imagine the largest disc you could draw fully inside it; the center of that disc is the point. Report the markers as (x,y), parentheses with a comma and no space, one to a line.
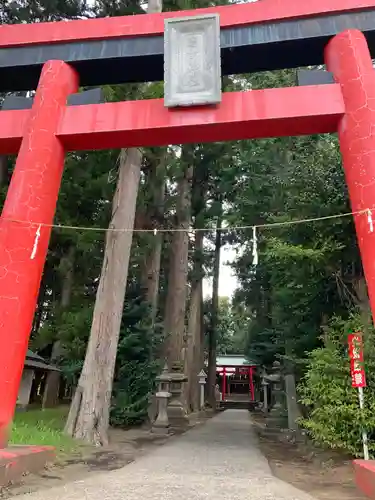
(45,427)
(16,11)
(334,419)
(137,364)
(305,273)
(231,326)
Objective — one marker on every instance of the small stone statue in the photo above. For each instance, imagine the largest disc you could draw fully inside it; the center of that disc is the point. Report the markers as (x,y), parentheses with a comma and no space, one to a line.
(217,396)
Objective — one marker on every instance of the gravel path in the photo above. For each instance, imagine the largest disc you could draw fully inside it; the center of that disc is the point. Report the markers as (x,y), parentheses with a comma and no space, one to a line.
(216,461)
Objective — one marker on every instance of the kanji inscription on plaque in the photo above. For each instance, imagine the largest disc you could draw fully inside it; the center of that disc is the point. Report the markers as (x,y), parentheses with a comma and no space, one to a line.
(192,70)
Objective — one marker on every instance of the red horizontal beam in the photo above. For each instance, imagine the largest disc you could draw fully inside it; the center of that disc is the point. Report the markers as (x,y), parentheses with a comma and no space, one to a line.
(241,115)
(153,24)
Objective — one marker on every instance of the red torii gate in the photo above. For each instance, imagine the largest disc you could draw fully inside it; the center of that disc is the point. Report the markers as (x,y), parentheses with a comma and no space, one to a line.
(42,135)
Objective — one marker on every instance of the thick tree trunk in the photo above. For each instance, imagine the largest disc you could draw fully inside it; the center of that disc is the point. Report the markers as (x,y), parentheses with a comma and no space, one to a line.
(362,302)
(198,350)
(154,217)
(175,308)
(193,358)
(199,192)
(212,338)
(51,391)
(152,271)
(89,413)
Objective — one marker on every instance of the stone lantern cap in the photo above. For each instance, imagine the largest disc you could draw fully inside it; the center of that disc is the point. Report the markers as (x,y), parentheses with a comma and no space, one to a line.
(202,376)
(163,394)
(164,376)
(178,377)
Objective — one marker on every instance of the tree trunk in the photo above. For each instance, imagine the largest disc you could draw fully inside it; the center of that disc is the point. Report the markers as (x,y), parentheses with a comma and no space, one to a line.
(154,217)
(193,358)
(51,391)
(362,301)
(198,349)
(152,274)
(212,338)
(89,412)
(175,308)
(40,308)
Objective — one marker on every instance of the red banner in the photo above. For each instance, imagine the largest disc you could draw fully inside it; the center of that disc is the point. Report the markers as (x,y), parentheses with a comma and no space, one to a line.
(356,360)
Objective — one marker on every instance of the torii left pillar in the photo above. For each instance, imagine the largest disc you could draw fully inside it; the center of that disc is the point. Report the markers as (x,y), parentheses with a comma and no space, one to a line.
(25,228)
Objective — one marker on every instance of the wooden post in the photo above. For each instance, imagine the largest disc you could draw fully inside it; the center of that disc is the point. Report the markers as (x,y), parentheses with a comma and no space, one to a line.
(31,198)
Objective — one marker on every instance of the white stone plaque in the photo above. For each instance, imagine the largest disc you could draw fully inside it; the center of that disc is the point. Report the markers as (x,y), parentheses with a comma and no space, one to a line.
(192,69)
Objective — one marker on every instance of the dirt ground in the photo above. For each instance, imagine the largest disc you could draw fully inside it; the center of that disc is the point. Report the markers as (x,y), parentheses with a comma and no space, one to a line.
(124,447)
(323,475)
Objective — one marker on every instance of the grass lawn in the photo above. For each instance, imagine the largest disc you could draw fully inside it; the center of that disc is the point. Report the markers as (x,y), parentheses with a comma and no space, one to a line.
(44,427)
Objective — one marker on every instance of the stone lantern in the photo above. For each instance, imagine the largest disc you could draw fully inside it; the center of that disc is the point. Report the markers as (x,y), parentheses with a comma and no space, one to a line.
(161,424)
(276,417)
(265,384)
(202,378)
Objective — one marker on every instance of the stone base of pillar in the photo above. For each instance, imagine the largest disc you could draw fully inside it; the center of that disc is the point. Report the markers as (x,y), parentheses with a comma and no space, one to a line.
(277,418)
(161,424)
(152,410)
(161,430)
(177,414)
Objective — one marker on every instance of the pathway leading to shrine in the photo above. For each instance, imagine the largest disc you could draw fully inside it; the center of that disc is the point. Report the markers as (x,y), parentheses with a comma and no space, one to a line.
(216,461)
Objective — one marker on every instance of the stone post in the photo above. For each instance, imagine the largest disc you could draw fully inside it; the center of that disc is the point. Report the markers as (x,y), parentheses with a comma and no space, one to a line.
(276,417)
(218,397)
(291,400)
(265,395)
(202,378)
(161,424)
(276,388)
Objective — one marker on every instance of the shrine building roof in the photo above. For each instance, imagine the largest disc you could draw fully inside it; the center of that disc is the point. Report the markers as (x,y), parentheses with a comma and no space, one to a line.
(234,360)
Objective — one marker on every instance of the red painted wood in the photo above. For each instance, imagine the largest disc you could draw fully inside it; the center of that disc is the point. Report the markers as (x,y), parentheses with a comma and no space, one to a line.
(153,24)
(236,366)
(32,196)
(364,471)
(241,115)
(348,58)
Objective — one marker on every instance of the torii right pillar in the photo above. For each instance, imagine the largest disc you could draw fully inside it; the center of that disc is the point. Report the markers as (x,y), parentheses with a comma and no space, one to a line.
(348,58)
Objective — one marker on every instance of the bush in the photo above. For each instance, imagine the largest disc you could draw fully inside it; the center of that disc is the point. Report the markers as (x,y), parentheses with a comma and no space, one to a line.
(334,419)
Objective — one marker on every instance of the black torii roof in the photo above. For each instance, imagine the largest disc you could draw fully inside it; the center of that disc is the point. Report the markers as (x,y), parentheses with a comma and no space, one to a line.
(260,46)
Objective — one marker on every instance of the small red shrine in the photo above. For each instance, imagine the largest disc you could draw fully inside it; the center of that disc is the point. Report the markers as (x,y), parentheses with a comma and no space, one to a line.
(235,376)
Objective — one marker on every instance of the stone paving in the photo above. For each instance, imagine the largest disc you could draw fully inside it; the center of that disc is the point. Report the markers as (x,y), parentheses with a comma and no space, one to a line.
(216,461)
